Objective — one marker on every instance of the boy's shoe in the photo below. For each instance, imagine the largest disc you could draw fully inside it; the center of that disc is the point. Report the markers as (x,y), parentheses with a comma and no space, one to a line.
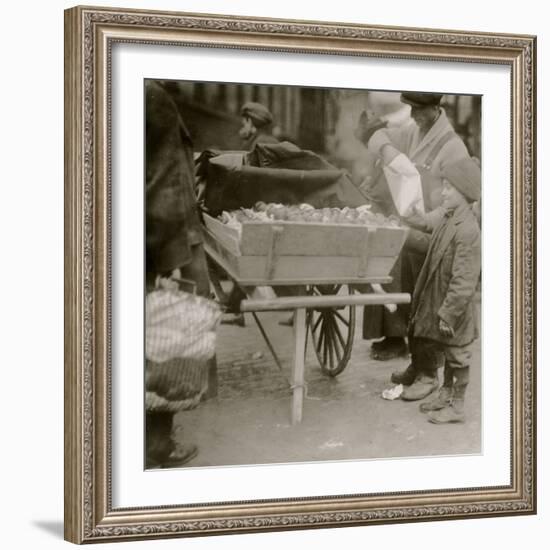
(442,400)
(451,414)
(405,377)
(421,388)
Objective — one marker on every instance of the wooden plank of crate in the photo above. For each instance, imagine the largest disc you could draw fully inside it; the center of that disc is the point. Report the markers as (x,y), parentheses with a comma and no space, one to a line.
(234,274)
(303,239)
(369,236)
(389,241)
(276,232)
(319,239)
(223,262)
(309,268)
(218,227)
(228,236)
(250,270)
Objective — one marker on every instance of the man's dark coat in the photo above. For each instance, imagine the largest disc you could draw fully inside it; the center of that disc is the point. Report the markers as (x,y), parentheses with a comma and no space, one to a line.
(171,215)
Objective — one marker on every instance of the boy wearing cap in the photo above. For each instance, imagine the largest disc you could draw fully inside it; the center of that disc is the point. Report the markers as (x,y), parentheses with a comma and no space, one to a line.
(443,318)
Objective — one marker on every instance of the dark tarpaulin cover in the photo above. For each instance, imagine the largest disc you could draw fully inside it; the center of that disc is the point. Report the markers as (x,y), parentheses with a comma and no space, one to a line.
(279,172)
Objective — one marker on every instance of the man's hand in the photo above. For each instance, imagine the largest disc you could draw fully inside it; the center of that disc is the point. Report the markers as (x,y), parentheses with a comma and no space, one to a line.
(170,281)
(366,128)
(415,218)
(176,274)
(445,329)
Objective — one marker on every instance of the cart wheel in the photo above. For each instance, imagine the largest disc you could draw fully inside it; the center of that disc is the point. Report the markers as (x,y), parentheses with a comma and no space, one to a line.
(332,331)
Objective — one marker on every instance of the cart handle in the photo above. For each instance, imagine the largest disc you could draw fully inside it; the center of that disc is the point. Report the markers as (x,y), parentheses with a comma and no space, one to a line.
(294,302)
(377,289)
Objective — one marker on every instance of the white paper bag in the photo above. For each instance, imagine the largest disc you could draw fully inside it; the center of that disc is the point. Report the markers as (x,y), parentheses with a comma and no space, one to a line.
(405,185)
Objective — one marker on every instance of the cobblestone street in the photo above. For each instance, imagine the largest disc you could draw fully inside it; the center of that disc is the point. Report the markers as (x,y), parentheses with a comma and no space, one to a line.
(343,417)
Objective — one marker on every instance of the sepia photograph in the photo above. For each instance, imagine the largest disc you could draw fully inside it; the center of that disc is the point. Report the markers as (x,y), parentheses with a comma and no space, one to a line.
(300,274)
(312,274)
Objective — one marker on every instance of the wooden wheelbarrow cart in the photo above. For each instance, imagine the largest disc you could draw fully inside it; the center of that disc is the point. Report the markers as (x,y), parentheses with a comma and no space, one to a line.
(321,266)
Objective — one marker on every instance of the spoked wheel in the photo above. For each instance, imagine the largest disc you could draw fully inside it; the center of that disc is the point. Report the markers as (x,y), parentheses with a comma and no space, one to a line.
(332,331)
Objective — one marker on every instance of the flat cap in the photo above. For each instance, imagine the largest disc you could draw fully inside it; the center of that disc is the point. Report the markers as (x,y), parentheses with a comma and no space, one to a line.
(465,175)
(420,99)
(259,114)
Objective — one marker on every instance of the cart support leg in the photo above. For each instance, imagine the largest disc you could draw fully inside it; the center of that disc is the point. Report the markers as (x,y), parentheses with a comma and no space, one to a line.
(300,329)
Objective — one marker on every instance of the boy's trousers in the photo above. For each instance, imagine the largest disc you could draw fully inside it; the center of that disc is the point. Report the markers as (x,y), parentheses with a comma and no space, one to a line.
(428,355)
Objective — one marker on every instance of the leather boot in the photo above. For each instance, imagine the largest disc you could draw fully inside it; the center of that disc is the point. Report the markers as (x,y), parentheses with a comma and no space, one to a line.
(158,441)
(181,455)
(442,400)
(161,450)
(444,396)
(426,355)
(405,377)
(454,413)
(424,384)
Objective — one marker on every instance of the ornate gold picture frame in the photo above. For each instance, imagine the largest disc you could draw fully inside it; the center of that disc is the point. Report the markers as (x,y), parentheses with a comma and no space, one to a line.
(90,35)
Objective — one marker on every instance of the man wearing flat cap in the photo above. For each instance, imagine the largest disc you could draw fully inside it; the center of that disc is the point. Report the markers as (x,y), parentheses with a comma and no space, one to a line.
(443,321)
(256,126)
(430,144)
